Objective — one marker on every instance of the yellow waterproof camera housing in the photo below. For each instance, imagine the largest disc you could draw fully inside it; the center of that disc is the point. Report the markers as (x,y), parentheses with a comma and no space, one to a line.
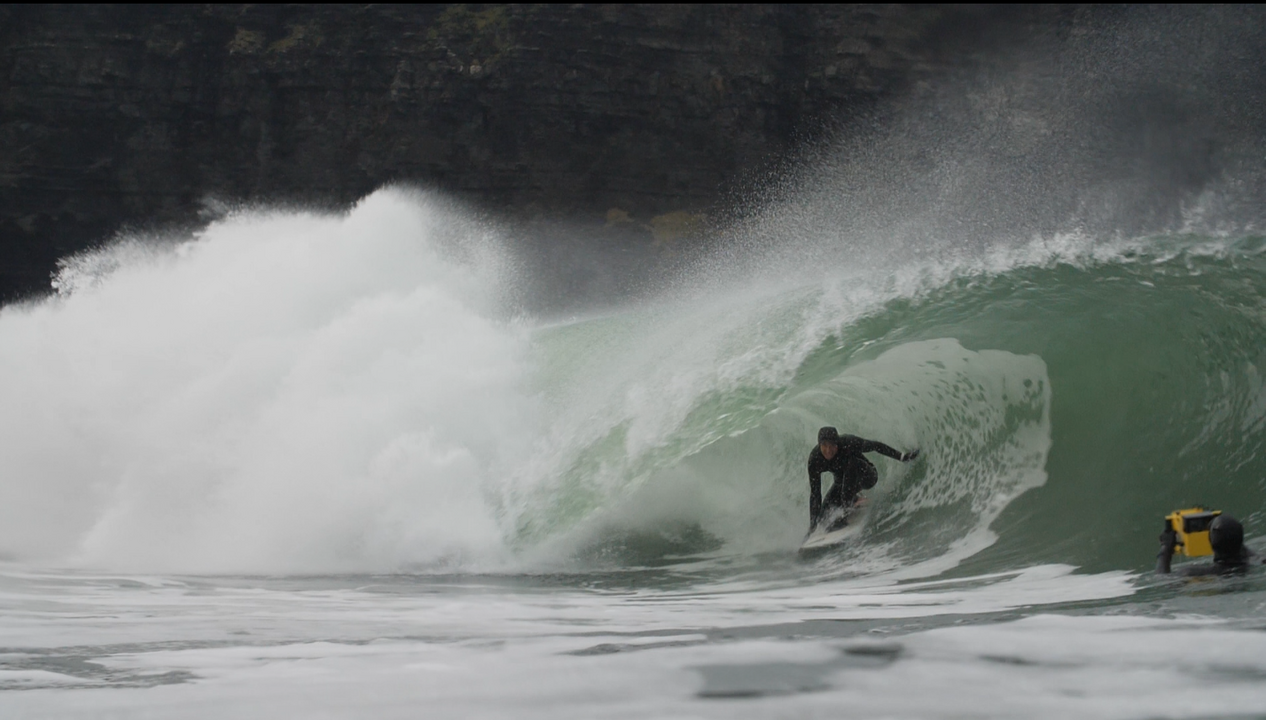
(1192,528)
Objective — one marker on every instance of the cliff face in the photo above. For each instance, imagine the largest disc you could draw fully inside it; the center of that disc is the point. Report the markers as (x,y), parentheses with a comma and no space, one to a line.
(113,115)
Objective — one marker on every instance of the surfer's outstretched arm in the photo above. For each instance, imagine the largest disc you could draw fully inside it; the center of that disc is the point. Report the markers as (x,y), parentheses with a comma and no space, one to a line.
(863,445)
(882,449)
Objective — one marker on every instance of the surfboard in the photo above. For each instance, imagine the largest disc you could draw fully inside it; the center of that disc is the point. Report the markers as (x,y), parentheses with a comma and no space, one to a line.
(818,540)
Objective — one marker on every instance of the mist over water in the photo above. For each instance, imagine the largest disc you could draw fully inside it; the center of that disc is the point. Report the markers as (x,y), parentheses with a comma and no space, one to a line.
(1116,123)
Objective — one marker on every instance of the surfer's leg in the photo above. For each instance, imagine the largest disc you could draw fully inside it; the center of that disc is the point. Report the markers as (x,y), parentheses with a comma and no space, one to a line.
(859,473)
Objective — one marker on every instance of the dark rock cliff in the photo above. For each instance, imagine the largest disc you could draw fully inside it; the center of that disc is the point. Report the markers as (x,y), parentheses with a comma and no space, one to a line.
(136,115)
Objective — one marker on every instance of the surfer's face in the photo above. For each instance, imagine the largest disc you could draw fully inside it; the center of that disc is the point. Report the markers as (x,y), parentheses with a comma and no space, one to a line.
(828,449)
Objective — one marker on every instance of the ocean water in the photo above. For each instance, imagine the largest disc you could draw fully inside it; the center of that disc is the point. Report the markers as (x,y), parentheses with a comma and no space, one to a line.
(326,466)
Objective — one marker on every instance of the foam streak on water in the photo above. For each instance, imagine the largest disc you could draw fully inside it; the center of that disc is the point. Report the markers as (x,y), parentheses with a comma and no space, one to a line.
(385,646)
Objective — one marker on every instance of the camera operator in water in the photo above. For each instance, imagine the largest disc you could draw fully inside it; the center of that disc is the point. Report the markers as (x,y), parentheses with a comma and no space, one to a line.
(1226,537)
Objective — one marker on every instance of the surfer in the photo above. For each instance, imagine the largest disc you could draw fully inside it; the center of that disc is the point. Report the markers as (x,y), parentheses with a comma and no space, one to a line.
(842,456)
(1226,536)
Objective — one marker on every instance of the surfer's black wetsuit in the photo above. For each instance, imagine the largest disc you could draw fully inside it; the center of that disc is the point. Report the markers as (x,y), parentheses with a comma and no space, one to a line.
(853,473)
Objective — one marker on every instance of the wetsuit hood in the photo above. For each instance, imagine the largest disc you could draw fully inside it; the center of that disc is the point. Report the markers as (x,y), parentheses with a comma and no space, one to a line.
(1226,535)
(828,434)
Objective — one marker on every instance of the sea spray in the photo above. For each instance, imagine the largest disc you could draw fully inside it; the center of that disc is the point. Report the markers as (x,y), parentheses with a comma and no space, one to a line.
(286,391)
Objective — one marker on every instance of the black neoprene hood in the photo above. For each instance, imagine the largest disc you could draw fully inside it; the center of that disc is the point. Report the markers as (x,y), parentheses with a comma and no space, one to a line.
(1226,535)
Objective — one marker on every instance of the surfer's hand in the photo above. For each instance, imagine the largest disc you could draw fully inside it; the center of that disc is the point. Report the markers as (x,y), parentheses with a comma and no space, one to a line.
(910,456)
(859,502)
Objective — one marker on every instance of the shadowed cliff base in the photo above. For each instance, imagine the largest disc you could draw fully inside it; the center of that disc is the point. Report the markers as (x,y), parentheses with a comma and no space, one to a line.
(631,121)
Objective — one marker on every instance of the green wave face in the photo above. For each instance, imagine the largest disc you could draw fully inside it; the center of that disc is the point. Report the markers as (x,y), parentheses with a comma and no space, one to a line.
(1063,402)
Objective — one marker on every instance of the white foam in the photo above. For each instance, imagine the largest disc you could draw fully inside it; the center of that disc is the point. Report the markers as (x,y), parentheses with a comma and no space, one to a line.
(462,651)
(288,391)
